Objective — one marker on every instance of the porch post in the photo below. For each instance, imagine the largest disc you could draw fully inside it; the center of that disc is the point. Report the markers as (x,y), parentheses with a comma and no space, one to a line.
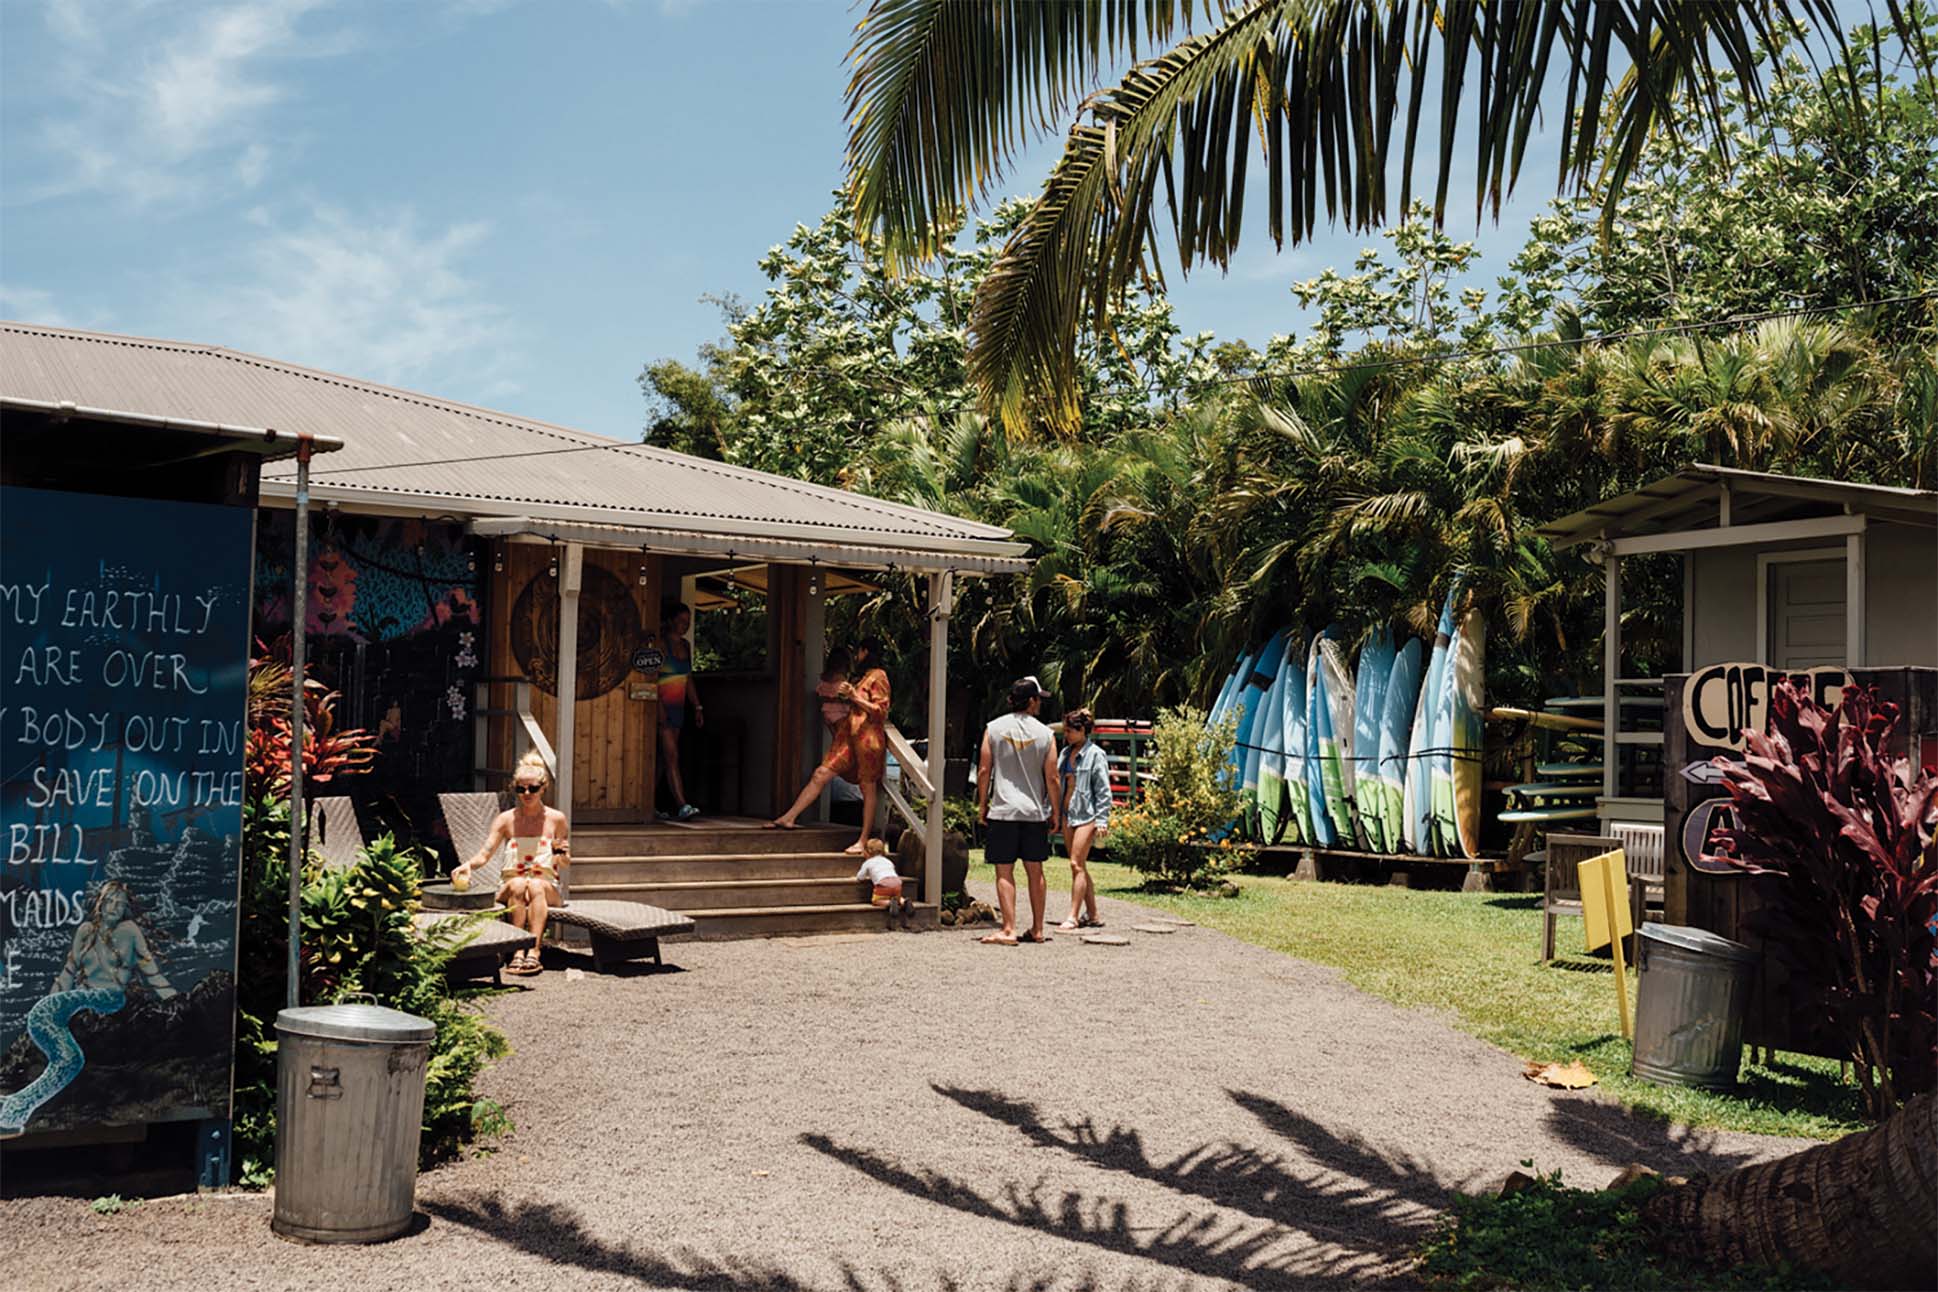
(571,579)
(1854,612)
(1611,669)
(942,593)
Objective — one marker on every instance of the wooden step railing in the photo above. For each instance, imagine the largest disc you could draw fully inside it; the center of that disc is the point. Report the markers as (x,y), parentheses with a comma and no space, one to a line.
(915,772)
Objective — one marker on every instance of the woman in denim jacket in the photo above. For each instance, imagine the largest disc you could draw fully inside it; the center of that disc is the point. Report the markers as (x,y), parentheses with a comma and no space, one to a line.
(1084,812)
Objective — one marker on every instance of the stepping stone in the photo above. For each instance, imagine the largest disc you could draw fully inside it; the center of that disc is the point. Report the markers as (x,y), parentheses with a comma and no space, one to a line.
(1154,928)
(1105,939)
(1178,921)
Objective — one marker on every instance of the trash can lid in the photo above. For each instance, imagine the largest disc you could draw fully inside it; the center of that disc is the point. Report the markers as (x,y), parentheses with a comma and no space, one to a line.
(1701,941)
(355,1023)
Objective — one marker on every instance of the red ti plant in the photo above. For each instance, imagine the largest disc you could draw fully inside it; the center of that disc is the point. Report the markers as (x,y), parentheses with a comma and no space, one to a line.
(1819,801)
(327,752)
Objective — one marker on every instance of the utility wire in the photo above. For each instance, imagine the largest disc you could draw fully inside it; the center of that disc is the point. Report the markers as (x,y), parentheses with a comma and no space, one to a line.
(1734,321)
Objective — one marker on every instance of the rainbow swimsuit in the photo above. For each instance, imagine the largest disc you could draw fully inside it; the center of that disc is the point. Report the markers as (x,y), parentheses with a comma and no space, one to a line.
(672,690)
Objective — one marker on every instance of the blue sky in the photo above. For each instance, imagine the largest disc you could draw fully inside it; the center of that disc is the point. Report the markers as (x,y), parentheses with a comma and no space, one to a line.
(513,204)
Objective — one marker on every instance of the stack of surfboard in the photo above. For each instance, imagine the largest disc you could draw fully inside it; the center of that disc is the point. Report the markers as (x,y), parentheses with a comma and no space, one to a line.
(1384,758)
(1569,778)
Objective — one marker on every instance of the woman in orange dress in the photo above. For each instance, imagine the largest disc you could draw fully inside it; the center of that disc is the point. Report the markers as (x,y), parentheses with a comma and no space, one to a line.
(860,751)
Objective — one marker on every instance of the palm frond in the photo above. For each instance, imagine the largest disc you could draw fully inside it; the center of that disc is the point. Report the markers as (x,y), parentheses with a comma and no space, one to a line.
(942,93)
(1321,83)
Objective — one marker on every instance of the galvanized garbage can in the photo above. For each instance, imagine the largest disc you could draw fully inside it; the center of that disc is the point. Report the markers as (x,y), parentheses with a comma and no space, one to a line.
(349,1107)
(1693,992)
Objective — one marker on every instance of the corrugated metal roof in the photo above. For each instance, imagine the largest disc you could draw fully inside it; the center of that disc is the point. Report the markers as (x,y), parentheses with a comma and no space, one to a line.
(406,449)
(1692,499)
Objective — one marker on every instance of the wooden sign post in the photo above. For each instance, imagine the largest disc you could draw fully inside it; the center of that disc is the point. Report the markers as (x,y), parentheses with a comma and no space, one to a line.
(1605,916)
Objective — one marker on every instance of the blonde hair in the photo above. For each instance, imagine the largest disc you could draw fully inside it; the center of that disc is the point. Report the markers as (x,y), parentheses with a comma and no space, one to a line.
(533,761)
(874,848)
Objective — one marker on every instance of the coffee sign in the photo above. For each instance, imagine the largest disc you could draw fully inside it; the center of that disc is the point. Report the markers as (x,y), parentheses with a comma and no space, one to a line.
(1721,702)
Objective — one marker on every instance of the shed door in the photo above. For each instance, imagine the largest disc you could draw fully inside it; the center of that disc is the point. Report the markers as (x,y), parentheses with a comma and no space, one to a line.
(1807,622)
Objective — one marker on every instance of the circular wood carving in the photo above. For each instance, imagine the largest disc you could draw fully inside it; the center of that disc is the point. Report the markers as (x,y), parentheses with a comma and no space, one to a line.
(609,631)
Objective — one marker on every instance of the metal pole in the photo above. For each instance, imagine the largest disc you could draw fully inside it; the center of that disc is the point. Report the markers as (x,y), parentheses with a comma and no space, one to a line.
(298,617)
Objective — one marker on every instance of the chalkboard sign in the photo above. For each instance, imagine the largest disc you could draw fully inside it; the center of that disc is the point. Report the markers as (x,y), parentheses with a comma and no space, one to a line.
(124,638)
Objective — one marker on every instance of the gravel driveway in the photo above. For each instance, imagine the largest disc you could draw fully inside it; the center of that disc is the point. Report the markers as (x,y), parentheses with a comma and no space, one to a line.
(916,1112)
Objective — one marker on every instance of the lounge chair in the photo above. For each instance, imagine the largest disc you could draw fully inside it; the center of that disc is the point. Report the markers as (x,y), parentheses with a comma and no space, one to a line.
(618,931)
(336,837)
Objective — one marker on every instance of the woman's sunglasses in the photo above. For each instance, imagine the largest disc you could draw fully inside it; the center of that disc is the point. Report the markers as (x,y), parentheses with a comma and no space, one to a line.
(528,789)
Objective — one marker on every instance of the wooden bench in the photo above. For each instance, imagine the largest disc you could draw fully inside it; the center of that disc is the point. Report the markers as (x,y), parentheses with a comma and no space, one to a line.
(1641,846)
(619,931)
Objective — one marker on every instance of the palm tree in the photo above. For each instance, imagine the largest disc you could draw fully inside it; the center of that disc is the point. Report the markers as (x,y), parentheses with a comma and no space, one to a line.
(943,92)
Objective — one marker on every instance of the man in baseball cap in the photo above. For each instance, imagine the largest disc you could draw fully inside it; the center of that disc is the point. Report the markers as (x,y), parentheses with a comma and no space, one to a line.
(1016,792)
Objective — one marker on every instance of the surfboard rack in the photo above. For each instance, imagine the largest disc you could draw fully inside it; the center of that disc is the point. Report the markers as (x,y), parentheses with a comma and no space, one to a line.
(1341,863)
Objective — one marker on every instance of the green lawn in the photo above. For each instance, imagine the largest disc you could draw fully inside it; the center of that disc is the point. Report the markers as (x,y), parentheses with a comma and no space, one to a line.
(1473,956)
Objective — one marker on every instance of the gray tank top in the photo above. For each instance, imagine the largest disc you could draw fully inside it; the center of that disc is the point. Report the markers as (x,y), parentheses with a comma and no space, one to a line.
(1018,747)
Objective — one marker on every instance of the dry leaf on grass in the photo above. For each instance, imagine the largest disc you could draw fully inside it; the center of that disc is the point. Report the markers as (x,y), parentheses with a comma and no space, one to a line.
(1565,1076)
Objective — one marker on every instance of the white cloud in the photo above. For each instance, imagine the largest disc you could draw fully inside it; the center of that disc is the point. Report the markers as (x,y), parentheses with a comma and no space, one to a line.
(156,102)
(32,305)
(379,298)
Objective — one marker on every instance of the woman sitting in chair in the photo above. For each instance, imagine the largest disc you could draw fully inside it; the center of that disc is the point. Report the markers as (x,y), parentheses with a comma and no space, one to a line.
(537,847)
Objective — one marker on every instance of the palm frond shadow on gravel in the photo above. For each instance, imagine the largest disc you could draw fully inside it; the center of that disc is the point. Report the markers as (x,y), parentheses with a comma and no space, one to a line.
(555,1233)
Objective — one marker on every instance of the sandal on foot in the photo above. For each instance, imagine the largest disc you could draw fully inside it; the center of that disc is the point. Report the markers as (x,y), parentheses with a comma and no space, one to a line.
(1070,926)
(1035,938)
(1089,922)
(996,940)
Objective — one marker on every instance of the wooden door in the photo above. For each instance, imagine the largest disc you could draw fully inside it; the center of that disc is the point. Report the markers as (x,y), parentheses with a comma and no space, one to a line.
(1807,620)
(617,715)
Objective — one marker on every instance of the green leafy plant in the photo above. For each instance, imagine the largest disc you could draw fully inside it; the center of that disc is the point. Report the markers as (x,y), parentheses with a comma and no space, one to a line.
(1178,835)
(1546,1235)
(1820,802)
(112,1204)
(358,937)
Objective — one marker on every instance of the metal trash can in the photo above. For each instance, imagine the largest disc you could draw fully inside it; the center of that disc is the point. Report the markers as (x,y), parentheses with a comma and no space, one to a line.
(349,1109)
(1693,992)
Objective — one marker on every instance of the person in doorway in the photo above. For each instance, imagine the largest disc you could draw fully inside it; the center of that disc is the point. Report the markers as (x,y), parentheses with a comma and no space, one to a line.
(537,845)
(1017,789)
(677,694)
(860,751)
(886,882)
(1083,812)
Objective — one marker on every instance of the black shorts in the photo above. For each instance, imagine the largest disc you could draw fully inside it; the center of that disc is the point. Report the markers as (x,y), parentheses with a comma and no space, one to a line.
(1013,841)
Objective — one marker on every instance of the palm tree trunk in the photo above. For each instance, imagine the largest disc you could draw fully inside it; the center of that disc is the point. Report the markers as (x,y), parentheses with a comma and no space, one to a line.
(1859,1210)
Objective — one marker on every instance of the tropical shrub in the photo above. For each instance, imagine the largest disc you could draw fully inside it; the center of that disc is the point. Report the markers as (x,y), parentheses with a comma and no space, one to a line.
(358,938)
(1178,834)
(1820,801)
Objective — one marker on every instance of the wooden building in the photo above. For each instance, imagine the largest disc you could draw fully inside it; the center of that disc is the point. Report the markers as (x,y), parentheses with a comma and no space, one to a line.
(469,566)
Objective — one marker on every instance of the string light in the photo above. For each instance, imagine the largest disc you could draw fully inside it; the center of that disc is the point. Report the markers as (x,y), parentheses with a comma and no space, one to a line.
(814,577)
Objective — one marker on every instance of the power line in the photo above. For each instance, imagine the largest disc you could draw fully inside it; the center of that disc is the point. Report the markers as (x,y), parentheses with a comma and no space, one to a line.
(1734,321)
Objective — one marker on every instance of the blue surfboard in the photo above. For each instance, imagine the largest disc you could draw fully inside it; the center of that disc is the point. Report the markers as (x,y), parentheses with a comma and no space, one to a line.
(1369,711)
(1420,759)
(1264,672)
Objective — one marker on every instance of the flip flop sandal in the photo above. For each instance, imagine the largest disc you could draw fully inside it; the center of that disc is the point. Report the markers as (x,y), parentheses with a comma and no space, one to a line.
(1034,938)
(1087,923)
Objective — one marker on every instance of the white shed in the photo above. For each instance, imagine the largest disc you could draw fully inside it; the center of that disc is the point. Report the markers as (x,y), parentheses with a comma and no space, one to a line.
(1787,571)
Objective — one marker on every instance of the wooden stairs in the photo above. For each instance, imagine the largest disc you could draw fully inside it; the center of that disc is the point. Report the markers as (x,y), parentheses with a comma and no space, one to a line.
(734,878)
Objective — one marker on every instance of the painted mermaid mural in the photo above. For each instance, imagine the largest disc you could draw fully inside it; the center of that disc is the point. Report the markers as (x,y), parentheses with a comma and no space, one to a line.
(124,642)
(109,960)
